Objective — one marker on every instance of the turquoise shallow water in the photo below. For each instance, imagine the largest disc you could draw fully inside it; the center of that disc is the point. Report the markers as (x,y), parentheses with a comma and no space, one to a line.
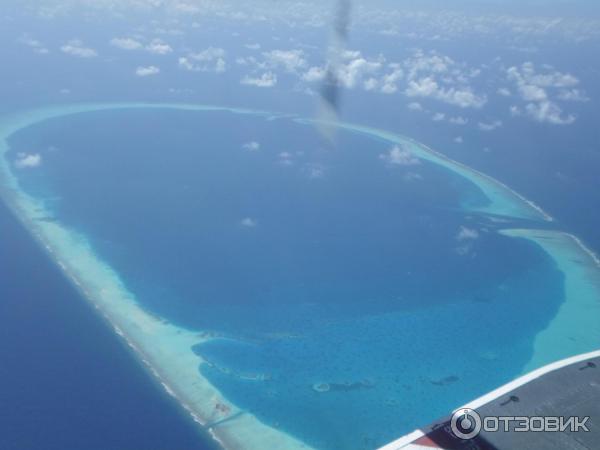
(347,302)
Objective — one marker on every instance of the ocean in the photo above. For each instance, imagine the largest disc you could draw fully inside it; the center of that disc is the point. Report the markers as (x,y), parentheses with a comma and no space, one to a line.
(68,381)
(349,291)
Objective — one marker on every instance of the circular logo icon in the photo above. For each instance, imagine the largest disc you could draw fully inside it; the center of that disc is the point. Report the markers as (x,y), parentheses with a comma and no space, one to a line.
(465,423)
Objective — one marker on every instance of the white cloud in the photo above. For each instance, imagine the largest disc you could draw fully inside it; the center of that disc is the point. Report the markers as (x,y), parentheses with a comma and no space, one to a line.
(249,222)
(504,92)
(489,126)
(412,176)
(351,54)
(186,8)
(75,47)
(573,95)
(289,60)
(266,80)
(532,93)
(286,158)
(209,60)
(371,84)
(186,64)
(417,24)
(349,74)
(398,156)
(438,117)
(389,80)
(459,139)
(314,74)
(389,32)
(425,87)
(158,47)
(438,77)
(209,54)
(27,161)
(538,90)
(388,88)
(255,46)
(220,65)
(251,146)
(459,120)
(250,61)
(147,71)
(34,44)
(428,87)
(415,106)
(527,74)
(467,234)
(351,69)
(466,237)
(126,43)
(428,63)
(548,112)
(314,171)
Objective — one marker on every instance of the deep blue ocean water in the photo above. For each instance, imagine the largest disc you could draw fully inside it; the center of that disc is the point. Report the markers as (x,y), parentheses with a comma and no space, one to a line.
(350,273)
(67,380)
